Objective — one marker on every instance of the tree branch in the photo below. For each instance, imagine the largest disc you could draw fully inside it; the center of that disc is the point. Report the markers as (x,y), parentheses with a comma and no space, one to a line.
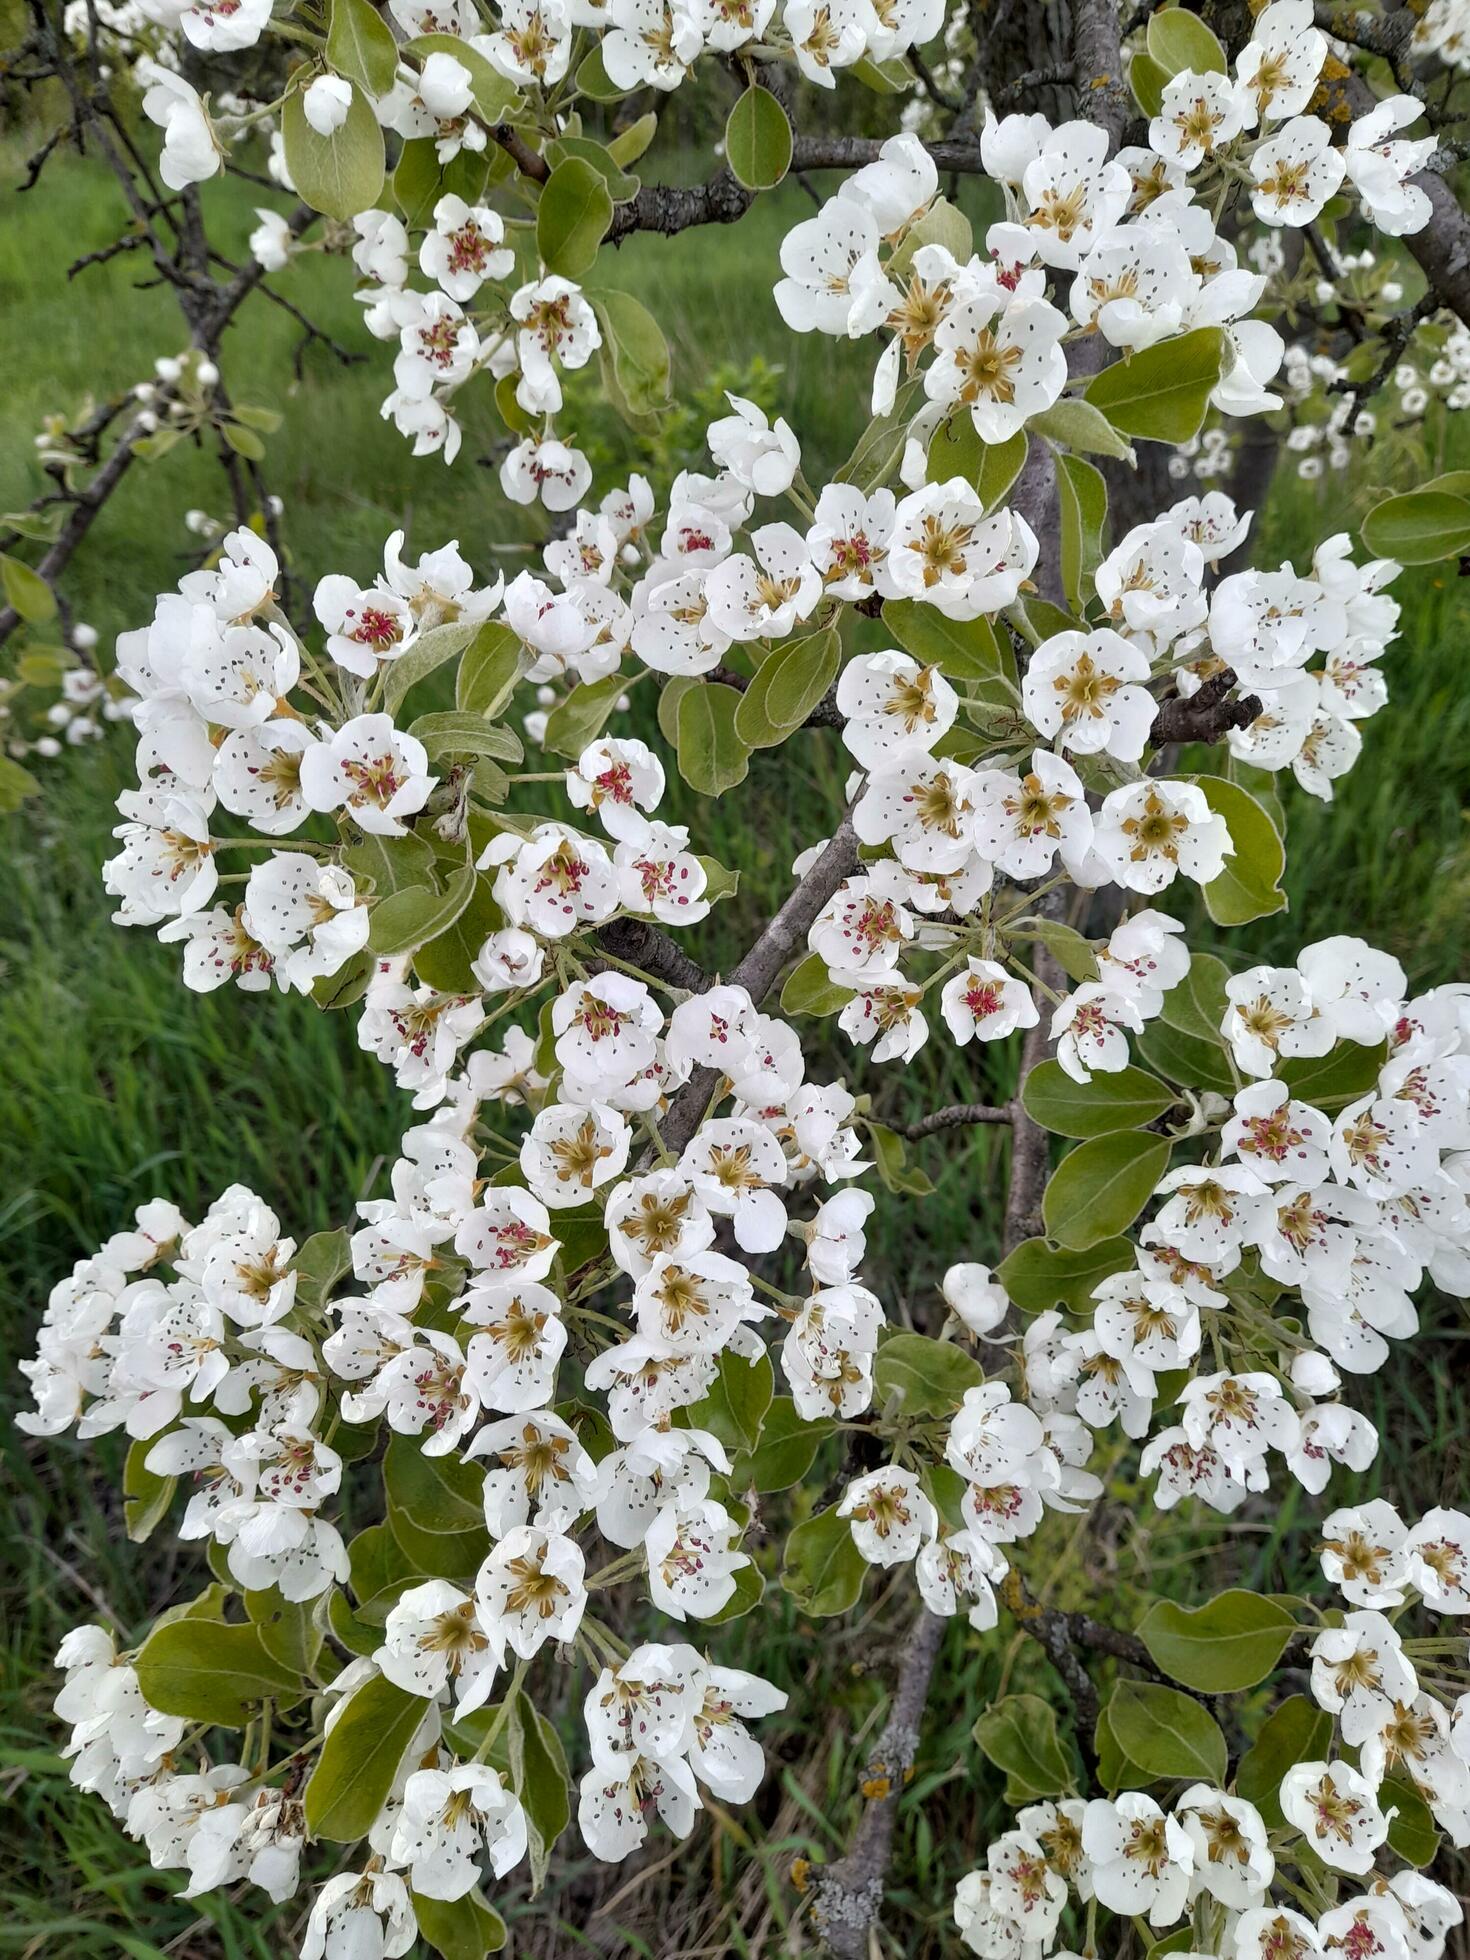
(1207,715)
(957,1116)
(1097,65)
(758,970)
(641,944)
(848,1895)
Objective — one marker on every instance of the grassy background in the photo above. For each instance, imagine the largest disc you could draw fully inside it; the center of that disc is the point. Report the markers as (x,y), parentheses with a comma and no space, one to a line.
(119,1084)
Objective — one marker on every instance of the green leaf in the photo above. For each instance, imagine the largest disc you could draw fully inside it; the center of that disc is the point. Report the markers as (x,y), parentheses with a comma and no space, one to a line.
(1418,528)
(446,961)
(1185,1058)
(267,420)
(1197,1005)
(787,1448)
(630,143)
(942,224)
(1166,1734)
(146,1495)
(244,441)
(750,1590)
(758,140)
(1231,1642)
(538,1769)
(956,448)
(345,987)
(434,1510)
(1178,40)
(1124,1101)
(420,180)
(675,687)
(1296,1732)
(360,1759)
(1099,1188)
(460,1929)
(928,1377)
(391,864)
(712,757)
(881,444)
(360,45)
(354,1634)
(1039,1276)
(1147,80)
(377,1562)
(635,356)
(1019,1735)
(210,1672)
(287,1628)
(890,77)
(1078,425)
(428,653)
(1072,953)
(493,663)
(26,592)
(1340,1076)
(898,1175)
(1250,885)
(788,684)
(1041,620)
(1082,505)
(581,718)
(1411,1833)
(407,919)
(211,1604)
(341,174)
(1163,391)
(735,1405)
(456,733)
(962,649)
(822,1568)
(572,218)
(493,94)
(809,990)
(620,185)
(43,666)
(319,1264)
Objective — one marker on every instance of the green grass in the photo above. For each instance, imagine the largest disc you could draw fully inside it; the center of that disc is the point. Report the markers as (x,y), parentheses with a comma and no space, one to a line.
(119,1084)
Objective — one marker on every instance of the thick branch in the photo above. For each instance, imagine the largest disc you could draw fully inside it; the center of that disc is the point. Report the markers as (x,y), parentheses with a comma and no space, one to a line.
(757,971)
(957,1116)
(1207,715)
(1097,65)
(520,152)
(849,1893)
(640,944)
(667,208)
(1053,1632)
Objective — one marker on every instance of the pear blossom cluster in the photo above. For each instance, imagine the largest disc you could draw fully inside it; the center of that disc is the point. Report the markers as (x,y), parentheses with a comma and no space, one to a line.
(619,1200)
(1211,1858)
(1350,1212)
(1206,1861)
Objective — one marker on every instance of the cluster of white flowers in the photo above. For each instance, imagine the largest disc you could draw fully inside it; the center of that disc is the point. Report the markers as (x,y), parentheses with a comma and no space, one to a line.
(1135,233)
(1210,1856)
(1325,441)
(953,830)
(1206,1858)
(561,1300)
